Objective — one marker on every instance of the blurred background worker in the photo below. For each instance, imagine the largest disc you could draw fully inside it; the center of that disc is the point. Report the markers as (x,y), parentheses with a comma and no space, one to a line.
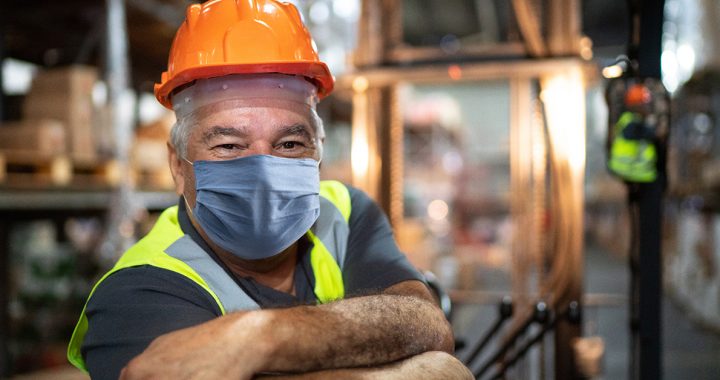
(633,153)
(253,271)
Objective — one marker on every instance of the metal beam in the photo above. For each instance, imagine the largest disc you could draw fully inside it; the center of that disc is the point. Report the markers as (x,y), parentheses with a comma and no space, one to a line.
(370,48)
(530,26)
(379,77)
(564,27)
(564,105)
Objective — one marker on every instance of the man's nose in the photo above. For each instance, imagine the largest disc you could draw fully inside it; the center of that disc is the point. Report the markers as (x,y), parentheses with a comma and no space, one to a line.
(259,147)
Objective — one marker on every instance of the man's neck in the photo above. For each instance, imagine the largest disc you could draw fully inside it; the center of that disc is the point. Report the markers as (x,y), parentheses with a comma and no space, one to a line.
(277,272)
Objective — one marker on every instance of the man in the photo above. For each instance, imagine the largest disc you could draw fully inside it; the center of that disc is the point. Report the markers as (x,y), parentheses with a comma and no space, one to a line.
(633,147)
(261,269)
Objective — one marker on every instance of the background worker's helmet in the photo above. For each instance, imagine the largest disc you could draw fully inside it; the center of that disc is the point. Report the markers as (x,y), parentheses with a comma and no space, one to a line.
(637,95)
(224,37)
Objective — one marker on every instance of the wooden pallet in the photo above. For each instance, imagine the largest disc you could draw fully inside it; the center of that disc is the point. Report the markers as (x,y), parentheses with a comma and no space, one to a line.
(88,172)
(150,164)
(29,169)
(158,178)
(711,174)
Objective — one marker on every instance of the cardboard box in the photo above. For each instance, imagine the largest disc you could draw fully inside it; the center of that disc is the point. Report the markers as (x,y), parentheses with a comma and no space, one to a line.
(65,94)
(711,174)
(46,137)
(150,154)
(158,130)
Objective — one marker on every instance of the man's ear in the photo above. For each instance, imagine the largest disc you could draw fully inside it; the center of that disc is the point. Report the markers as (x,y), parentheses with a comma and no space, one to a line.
(176,169)
(321,151)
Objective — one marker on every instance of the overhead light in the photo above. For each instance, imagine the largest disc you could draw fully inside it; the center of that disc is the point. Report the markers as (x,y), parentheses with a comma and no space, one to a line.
(614,71)
(586,48)
(617,69)
(438,209)
(17,76)
(454,72)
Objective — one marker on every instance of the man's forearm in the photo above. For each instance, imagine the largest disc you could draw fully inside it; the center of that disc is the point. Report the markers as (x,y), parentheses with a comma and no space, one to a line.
(428,365)
(354,332)
(363,331)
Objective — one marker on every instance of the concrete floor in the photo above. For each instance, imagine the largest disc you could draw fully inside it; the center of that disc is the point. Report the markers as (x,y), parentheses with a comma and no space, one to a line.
(689,351)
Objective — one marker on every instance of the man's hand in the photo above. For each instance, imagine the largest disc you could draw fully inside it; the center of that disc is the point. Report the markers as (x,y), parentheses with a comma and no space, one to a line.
(363,331)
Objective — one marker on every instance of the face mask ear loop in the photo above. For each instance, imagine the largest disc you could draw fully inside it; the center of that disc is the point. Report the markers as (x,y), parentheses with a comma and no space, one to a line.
(187,205)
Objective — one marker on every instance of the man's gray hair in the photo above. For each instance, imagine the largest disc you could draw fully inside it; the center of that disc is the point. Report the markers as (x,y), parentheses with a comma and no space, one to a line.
(180,133)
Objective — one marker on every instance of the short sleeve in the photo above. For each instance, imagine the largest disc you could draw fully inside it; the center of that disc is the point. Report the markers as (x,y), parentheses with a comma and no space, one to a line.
(373,261)
(134,306)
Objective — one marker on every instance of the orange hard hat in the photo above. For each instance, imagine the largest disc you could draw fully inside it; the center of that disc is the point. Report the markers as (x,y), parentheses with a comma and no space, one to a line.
(637,94)
(225,37)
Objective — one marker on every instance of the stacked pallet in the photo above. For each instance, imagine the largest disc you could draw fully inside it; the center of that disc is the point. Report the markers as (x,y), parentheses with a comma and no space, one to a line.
(65,95)
(55,142)
(711,174)
(150,157)
(34,152)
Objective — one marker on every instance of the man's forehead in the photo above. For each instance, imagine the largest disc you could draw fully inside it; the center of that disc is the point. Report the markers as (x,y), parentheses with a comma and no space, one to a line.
(272,111)
(267,90)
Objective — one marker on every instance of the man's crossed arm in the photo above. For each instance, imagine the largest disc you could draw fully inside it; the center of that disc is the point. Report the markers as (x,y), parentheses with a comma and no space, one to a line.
(391,335)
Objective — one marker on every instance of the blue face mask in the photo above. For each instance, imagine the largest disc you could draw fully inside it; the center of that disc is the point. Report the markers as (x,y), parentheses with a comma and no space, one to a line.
(256,206)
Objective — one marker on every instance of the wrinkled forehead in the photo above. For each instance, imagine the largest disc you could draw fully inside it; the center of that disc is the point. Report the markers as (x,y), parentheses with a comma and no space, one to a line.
(255,112)
(246,91)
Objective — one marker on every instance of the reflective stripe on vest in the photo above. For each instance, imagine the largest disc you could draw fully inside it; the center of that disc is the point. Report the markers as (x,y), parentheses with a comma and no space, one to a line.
(167,247)
(631,159)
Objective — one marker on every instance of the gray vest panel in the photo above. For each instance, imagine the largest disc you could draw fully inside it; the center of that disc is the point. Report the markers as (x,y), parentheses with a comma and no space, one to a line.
(330,228)
(232,296)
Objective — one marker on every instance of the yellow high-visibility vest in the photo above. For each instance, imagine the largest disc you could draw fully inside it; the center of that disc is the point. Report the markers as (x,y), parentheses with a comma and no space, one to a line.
(167,247)
(631,159)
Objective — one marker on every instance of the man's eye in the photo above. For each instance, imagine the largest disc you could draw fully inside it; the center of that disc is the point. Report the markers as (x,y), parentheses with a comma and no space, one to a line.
(290,144)
(226,146)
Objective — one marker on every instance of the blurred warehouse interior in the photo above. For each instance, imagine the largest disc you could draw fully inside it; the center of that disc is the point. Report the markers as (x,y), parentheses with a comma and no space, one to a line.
(480,126)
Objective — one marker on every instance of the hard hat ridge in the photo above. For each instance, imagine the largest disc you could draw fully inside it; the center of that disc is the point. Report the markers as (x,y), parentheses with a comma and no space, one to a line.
(245,7)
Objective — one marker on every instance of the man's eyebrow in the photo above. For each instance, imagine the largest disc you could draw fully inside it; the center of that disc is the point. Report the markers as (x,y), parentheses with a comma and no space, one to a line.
(296,130)
(223,131)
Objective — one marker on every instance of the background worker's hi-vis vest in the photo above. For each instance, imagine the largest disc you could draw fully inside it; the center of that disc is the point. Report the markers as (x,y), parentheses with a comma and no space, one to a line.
(632,159)
(167,247)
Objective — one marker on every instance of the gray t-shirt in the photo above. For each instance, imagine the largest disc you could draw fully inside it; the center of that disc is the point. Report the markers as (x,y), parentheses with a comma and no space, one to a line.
(136,305)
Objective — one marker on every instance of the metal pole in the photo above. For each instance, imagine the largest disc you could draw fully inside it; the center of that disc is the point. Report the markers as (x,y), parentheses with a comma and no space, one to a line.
(4,246)
(651,29)
(4,299)
(121,102)
(540,314)
(2,60)
(505,311)
(565,114)
(645,202)
(650,288)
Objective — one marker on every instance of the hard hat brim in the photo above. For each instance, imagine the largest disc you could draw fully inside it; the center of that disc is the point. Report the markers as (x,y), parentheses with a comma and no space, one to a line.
(316,72)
